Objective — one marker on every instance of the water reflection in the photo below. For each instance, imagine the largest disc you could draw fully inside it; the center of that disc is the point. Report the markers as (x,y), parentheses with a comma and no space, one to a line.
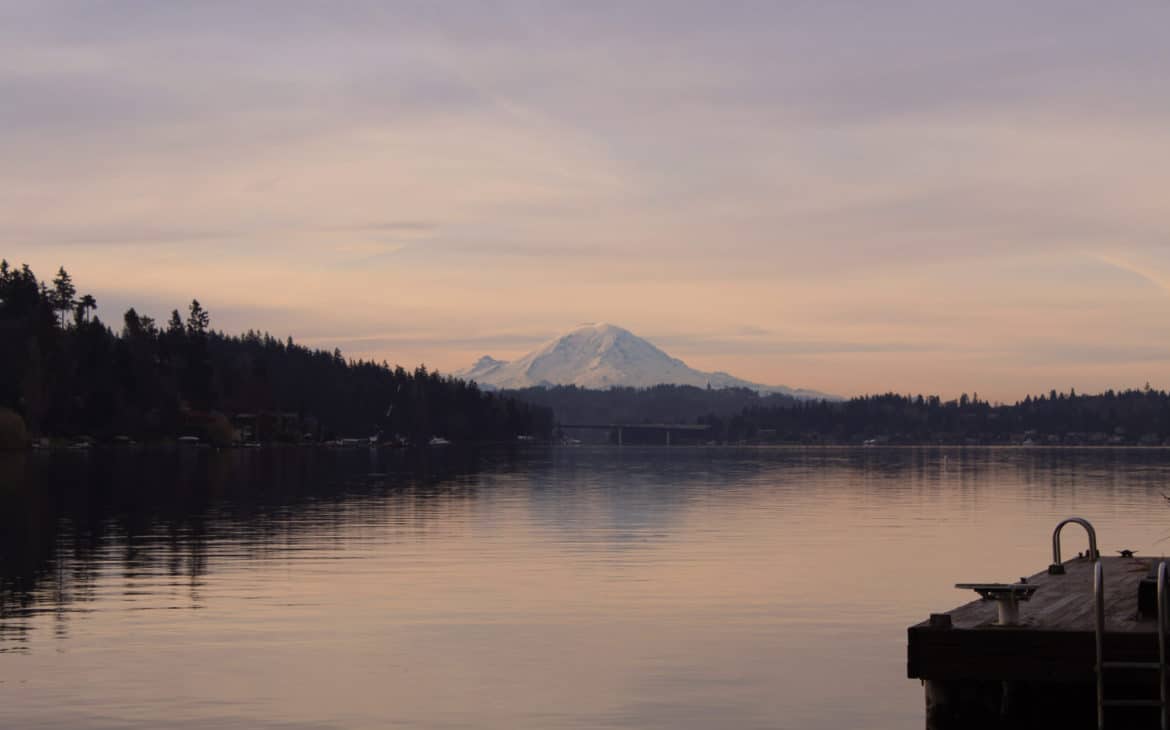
(515,588)
(66,517)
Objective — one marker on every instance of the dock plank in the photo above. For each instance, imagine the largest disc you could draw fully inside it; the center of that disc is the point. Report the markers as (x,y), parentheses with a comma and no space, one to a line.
(1065,602)
(1054,640)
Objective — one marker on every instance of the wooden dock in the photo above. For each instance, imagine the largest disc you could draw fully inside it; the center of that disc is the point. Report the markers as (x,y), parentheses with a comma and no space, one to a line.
(1042,671)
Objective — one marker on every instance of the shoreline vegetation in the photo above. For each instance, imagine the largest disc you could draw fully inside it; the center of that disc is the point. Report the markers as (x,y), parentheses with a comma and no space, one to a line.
(68,379)
(1139,417)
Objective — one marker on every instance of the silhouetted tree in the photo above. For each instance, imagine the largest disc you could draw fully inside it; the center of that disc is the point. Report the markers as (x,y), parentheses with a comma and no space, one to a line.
(63,293)
(84,306)
(198,320)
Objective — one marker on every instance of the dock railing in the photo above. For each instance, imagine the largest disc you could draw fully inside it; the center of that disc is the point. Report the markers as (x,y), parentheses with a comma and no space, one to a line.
(1057,567)
(1163,701)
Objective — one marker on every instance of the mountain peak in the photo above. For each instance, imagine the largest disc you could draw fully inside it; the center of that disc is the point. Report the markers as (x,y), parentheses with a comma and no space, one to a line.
(483,370)
(603,355)
(603,333)
(487,360)
(600,328)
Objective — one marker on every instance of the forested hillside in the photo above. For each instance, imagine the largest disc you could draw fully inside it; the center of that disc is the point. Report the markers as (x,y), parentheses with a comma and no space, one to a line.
(1131,417)
(659,404)
(67,374)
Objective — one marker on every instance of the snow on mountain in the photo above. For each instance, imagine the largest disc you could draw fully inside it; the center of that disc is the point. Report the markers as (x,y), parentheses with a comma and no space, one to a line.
(482,370)
(601,356)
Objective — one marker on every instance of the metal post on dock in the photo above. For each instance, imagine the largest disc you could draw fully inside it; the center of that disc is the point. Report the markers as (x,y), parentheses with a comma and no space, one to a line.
(1099,629)
(1162,645)
(942,704)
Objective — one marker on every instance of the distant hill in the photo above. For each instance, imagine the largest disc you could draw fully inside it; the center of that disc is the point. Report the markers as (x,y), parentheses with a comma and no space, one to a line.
(659,404)
(600,356)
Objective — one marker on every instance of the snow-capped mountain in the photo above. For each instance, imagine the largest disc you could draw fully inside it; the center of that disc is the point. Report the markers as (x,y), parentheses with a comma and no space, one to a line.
(602,356)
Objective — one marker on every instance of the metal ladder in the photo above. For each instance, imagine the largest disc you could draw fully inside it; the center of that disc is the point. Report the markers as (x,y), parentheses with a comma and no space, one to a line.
(1102,666)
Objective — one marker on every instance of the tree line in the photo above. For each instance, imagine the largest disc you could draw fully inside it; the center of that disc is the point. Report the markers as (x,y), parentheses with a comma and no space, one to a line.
(656,404)
(66,374)
(1130,417)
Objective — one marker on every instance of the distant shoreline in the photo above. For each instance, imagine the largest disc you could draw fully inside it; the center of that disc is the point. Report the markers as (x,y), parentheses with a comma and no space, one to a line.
(157,447)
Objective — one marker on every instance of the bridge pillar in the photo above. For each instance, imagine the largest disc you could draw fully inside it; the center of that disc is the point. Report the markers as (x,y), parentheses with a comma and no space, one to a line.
(619,435)
(668,437)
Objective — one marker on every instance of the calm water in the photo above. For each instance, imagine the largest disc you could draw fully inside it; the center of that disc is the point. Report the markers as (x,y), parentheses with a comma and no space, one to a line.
(568,588)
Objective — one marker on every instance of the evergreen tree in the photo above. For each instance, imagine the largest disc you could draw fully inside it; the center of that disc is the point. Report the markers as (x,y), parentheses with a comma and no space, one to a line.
(84,306)
(63,293)
(198,320)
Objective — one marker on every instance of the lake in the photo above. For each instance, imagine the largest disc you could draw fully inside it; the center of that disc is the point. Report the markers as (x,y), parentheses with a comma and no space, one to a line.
(590,587)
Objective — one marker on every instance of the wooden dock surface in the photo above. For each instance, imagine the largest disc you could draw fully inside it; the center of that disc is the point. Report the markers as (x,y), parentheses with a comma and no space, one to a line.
(1054,640)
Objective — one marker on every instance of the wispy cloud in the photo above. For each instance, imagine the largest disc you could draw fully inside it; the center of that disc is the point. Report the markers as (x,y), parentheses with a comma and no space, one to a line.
(778,345)
(1149,273)
(385,227)
(487,343)
(99,233)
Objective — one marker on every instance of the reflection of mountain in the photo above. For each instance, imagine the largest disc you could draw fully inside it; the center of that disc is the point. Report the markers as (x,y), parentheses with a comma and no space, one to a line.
(78,528)
(169,517)
(611,500)
(603,356)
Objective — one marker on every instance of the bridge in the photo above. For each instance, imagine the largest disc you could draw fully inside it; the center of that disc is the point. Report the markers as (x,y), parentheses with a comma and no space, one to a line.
(668,428)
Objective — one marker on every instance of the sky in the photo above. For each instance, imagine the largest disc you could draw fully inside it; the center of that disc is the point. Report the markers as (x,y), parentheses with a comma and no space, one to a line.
(854,197)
